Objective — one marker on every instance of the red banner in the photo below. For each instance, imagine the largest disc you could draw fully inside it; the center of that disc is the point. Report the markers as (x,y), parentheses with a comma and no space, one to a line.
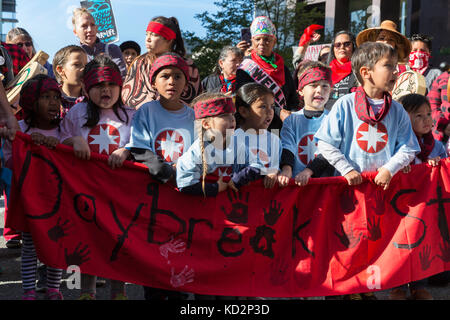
(323,239)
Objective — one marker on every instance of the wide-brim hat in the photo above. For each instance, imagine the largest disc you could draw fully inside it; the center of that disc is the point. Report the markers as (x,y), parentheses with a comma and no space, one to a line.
(371,34)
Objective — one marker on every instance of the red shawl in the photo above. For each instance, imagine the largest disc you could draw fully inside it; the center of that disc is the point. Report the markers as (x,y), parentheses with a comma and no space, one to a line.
(276,74)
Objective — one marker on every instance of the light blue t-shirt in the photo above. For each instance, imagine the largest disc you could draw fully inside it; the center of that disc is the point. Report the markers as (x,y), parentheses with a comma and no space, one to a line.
(168,134)
(297,136)
(367,147)
(220,163)
(261,151)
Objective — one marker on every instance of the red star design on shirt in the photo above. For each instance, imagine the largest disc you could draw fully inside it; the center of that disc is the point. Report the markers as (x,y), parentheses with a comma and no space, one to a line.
(372,139)
(104,139)
(169,145)
(307,149)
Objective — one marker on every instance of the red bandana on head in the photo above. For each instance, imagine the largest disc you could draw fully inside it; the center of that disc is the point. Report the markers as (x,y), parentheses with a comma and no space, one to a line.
(162,30)
(364,110)
(313,75)
(29,96)
(214,107)
(169,60)
(102,74)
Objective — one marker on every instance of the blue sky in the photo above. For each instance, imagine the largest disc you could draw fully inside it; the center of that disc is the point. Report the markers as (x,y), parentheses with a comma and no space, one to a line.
(49,21)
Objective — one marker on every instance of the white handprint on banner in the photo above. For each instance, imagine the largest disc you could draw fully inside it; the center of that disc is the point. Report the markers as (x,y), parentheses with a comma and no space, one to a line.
(185,276)
(173,246)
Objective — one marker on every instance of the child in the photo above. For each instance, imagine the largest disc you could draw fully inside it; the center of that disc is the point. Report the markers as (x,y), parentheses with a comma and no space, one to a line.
(130,50)
(68,66)
(432,151)
(297,133)
(93,126)
(209,157)
(162,130)
(367,130)
(443,126)
(40,99)
(257,150)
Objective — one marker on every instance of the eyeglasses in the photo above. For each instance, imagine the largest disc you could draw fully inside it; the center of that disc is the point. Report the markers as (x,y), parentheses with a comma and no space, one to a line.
(346,44)
(27,44)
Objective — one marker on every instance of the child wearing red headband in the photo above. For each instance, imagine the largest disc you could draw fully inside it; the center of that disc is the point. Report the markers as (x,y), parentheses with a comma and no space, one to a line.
(207,165)
(163,35)
(299,157)
(101,125)
(40,99)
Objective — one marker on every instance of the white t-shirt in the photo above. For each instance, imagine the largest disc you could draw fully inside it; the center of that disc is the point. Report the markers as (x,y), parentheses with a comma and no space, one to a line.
(110,133)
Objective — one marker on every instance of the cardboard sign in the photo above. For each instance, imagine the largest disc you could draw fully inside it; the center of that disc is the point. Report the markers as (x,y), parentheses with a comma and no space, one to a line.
(312,52)
(102,12)
(409,82)
(34,67)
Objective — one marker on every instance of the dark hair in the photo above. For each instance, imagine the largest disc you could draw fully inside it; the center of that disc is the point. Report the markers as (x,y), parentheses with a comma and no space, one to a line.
(368,54)
(172,23)
(131,45)
(247,95)
(30,116)
(93,111)
(61,57)
(224,54)
(352,37)
(413,101)
(423,38)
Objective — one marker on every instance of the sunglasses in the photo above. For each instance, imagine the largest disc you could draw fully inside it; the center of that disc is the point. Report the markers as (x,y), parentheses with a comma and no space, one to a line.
(27,44)
(346,44)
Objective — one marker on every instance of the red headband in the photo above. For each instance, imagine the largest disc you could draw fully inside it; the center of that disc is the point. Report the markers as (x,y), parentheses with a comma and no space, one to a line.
(169,60)
(214,107)
(162,30)
(102,74)
(314,74)
(29,95)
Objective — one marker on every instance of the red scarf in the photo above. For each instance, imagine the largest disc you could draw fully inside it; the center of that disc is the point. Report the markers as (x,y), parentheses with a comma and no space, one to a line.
(426,146)
(340,71)
(364,110)
(277,74)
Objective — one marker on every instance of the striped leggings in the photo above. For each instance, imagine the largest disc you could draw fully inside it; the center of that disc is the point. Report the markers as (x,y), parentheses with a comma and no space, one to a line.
(29,266)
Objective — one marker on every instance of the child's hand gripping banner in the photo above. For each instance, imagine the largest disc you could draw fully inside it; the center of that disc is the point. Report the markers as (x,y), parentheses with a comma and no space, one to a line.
(323,239)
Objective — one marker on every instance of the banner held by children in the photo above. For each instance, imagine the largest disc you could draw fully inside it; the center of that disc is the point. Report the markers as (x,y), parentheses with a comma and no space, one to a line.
(323,239)
(103,14)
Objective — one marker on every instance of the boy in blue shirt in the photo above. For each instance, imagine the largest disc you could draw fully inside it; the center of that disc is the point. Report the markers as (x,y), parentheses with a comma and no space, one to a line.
(367,130)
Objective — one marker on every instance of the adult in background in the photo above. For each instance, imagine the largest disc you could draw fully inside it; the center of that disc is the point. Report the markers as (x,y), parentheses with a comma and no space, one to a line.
(224,77)
(85,29)
(387,33)
(339,60)
(130,50)
(18,57)
(162,35)
(419,58)
(265,66)
(440,106)
(23,39)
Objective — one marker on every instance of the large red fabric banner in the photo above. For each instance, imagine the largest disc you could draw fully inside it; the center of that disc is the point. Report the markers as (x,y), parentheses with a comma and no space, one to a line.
(323,239)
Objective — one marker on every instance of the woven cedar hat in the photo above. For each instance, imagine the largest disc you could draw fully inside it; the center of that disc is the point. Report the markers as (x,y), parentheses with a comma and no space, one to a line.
(403,45)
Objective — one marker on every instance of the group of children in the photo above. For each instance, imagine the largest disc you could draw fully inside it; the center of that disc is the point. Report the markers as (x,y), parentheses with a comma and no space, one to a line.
(221,142)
